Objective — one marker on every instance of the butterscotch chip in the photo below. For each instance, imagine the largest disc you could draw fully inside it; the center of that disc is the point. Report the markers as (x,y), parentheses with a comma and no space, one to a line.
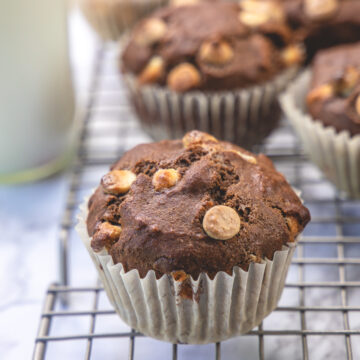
(294,227)
(165,178)
(153,71)
(179,275)
(183,77)
(221,222)
(320,93)
(255,258)
(151,32)
(345,84)
(118,181)
(321,9)
(292,55)
(105,235)
(196,137)
(216,52)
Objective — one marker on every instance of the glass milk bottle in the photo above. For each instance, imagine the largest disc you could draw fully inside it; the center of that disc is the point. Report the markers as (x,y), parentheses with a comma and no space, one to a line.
(36,94)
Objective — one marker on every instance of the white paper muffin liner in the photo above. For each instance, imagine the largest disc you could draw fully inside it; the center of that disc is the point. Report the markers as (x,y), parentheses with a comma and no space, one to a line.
(244,116)
(336,154)
(221,308)
(111,18)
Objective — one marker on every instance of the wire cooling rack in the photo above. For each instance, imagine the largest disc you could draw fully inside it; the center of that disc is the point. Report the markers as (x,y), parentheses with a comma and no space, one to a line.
(319,313)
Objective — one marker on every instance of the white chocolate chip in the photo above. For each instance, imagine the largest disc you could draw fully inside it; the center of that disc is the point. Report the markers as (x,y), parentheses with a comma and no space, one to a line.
(292,55)
(221,222)
(106,234)
(165,178)
(320,9)
(118,181)
(357,105)
(196,137)
(112,231)
(256,12)
(153,71)
(253,19)
(184,2)
(254,258)
(216,52)
(320,93)
(250,159)
(151,31)
(183,77)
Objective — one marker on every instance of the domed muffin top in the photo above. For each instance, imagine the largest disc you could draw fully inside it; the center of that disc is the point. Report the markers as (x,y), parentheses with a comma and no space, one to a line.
(324,23)
(317,12)
(211,46)
(334,96)
(196,205)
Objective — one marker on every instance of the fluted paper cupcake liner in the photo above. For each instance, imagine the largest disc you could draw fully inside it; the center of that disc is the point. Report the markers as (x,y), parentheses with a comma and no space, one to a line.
(244,116)
(111,18)
(336,154)
(220,309)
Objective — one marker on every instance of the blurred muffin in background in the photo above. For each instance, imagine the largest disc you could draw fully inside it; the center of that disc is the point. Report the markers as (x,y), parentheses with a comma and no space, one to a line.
(324,23)
(110,18)
(215,67)
(324,107)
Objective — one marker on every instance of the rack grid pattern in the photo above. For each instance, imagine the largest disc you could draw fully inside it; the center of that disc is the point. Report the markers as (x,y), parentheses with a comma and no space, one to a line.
(319,314)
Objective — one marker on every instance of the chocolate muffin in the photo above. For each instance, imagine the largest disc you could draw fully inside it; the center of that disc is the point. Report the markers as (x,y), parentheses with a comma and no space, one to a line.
(323,105)
(324,23)
(197,206)
(220,46)
(334,96)
(192,239)
(213,67)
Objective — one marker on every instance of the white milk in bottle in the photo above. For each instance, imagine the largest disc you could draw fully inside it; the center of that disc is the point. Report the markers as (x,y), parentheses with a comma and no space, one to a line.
(36,94)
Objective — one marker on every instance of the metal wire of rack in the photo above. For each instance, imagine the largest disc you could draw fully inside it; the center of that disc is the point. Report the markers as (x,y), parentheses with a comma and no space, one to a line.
(319,313)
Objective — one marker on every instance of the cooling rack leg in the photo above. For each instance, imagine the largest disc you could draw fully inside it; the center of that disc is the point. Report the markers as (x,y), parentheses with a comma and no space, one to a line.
(174,352)
(261,342)
(340,253)
(218,351)
(63,264)
(40,347)
(132,345)
(92,324)
(300,250)
(305,350)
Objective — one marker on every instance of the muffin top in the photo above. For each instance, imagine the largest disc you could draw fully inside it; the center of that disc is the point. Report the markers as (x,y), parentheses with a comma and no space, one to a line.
(324,23)
(192,206)
(211,46)
(334,96)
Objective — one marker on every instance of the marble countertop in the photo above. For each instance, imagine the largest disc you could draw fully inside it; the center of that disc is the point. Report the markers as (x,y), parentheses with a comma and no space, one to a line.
(29,218)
